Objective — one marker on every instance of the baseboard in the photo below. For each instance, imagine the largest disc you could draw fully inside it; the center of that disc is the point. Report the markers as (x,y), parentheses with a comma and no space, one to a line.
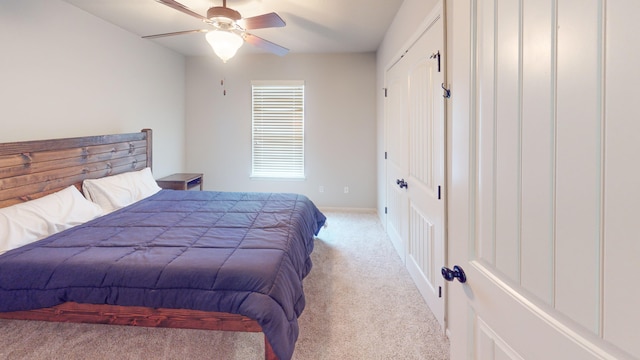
(348,209)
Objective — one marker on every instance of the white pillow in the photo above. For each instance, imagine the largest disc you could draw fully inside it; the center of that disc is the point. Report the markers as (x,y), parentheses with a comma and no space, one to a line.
(117,191)
(33,220)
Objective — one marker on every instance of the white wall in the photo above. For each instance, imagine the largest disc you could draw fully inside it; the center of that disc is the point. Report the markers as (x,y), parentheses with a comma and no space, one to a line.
(408,19)
(340,131)
(66,73)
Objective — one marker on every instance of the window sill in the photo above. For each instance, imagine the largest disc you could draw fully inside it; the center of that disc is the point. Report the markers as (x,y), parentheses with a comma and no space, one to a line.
(278,178)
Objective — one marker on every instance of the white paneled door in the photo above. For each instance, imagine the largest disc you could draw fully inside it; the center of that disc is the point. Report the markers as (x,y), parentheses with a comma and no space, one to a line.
(543,208)
(416,160)
(396,130)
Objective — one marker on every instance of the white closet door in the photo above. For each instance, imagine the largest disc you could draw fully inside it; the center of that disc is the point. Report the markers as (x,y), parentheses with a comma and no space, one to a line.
(425,250)
(397,155)
(415,129)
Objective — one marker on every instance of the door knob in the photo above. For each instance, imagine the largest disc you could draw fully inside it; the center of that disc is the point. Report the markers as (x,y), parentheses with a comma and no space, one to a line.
(402,183)
(457,272)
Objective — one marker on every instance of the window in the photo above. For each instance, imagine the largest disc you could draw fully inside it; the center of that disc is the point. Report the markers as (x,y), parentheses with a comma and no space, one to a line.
(277,129)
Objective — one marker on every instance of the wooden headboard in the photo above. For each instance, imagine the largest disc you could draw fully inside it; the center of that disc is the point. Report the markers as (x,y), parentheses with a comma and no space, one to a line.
(32,169)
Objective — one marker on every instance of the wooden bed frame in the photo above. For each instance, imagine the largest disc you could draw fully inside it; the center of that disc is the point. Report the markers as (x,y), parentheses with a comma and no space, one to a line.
(32,169)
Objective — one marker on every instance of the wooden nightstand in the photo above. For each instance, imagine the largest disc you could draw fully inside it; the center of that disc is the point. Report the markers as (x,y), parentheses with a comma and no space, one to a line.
(181,181)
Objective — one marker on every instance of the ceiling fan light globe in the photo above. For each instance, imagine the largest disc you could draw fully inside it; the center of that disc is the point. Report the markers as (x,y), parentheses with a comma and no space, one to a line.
(224,43)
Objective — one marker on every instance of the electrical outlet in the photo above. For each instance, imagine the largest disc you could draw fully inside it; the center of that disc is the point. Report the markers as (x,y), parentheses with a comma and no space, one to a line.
(321,189)
(346,189)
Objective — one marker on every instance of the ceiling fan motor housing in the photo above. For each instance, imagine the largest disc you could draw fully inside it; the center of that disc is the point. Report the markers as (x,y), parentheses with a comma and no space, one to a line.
(223,12)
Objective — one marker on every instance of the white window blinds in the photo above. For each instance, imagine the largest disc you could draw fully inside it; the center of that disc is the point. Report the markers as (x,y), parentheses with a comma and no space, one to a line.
(278,129)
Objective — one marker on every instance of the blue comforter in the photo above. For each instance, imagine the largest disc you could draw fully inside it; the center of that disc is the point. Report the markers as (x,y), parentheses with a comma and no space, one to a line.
(243,253)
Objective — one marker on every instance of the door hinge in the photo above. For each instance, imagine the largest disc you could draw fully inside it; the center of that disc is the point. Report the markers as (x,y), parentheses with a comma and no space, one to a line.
(385,155)
(436,55)
(385,209)
(439,291)
(385,92)
(439,192)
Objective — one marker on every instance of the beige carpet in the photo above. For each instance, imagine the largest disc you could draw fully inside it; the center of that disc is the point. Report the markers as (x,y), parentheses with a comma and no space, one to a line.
(361,304)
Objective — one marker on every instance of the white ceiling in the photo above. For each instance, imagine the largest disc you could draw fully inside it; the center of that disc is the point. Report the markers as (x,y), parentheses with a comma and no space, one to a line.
(313,26)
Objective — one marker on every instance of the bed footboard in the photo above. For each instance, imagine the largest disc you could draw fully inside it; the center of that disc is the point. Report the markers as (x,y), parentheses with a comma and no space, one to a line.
(142,316)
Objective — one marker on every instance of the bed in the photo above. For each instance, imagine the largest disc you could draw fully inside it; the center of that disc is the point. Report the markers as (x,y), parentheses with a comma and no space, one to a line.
(183,259)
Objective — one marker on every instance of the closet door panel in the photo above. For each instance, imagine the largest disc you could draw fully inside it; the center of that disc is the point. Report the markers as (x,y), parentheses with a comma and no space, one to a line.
(578,161)
(507,140)
(538,142)
(622,178)
(486,114)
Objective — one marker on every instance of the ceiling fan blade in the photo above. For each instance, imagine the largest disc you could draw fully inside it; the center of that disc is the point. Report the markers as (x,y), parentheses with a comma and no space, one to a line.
(265,44)
(263,21)
(175,33)
(176,5)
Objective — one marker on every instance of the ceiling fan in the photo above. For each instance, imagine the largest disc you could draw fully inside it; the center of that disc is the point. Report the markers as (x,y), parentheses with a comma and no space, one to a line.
(229,29)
